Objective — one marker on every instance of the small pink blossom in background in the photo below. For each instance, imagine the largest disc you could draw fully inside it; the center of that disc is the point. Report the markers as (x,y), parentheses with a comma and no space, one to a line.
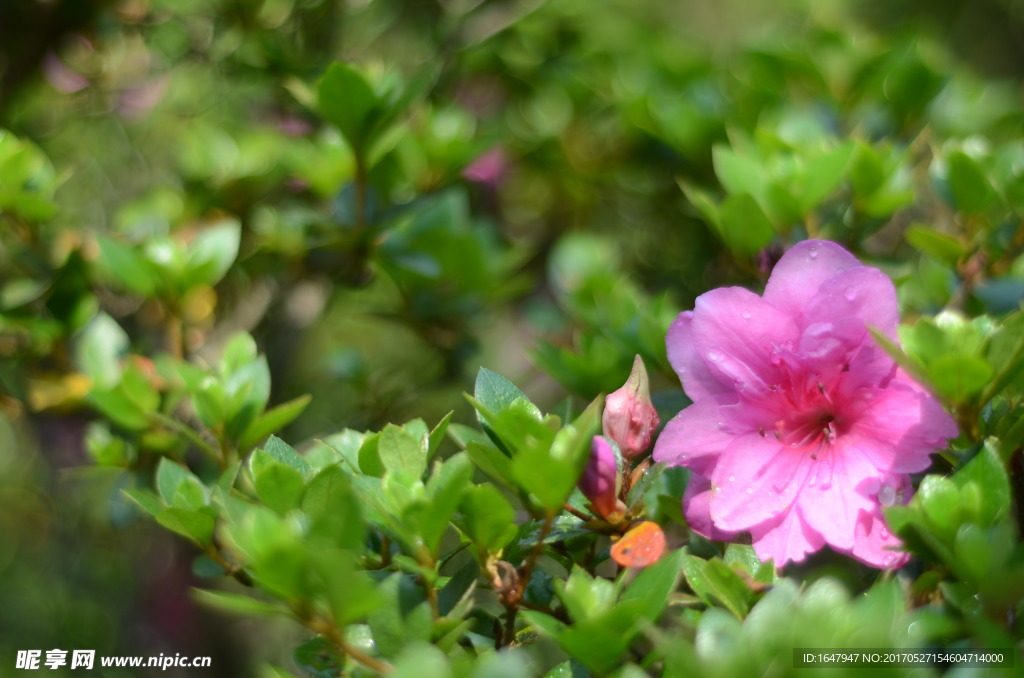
(600,480)
(801,427)
(489,168)
(62,78)
(629,417)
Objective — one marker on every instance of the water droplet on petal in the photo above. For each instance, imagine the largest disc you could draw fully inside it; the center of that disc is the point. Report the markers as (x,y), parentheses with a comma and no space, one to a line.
(887,495)
(750,490)
(883,533)
(713,355)
(812,253)
(746,315)
(850,294)
(732,479)
(810,482)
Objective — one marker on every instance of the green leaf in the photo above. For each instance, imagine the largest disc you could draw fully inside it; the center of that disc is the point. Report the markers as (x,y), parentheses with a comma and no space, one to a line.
(121,409)
(518,425)
(351,594)
(190,494)
(437,436)
(211,253)
(496,393)
(347,101)
(487,518)
(455,599)
(278,485)
(867,171)
(272,421)
(705,205)
(419,660)
(332,504)
(738,173)
(958,376)
(971,189)
(744,557)
(822,174)
(649,593)
(369,456)
(550,472)
(942,247)
(940,499)
(745,227)
(319,658)
(286,454)
(445,487)
(147,500)
(168,476)
(238,604)
(129,267)
(402,617)
(99,350)
(987,472)
(716,583)
(399,450)
(195,525)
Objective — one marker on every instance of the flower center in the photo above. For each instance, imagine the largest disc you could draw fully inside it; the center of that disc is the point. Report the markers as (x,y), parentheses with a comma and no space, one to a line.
(810,418)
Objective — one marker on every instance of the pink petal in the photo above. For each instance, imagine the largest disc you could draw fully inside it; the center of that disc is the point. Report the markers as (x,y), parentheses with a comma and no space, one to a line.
(898,427)
(693,438)
(830,499)
(802,270)
(697,509)
(785,539)
(735,332)
(697,379)
(755,480)
(875,545)
(863,293)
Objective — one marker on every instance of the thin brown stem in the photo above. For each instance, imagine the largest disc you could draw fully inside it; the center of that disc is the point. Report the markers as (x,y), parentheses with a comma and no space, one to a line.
(174,333)
(234,570)
(337,638)
(578,513)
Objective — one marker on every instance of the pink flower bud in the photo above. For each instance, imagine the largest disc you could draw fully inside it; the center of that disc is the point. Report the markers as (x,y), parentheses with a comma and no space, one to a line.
(629,417)
(600,478)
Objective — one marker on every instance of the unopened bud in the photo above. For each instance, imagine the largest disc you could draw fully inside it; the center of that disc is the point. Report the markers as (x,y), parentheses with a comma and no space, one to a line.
(629,417)
(600,479)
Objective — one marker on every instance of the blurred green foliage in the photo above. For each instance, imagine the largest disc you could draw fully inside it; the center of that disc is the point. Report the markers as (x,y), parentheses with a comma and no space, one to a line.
(224,225)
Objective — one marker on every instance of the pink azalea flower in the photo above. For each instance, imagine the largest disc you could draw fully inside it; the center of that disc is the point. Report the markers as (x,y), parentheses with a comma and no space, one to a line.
(801,427)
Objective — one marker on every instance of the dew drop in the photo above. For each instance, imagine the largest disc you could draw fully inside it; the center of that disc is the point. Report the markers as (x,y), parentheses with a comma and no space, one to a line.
(732,479)
(713,356)
(887,495)
(750,490)
(850,294)
(812,253)
(746,315)
(883,533)
(810,482)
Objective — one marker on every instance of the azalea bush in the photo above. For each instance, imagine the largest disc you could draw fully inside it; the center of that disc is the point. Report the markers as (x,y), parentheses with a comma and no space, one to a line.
(501,339)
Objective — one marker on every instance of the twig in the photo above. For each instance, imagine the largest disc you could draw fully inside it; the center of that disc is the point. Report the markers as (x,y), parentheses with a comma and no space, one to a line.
(337,638)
